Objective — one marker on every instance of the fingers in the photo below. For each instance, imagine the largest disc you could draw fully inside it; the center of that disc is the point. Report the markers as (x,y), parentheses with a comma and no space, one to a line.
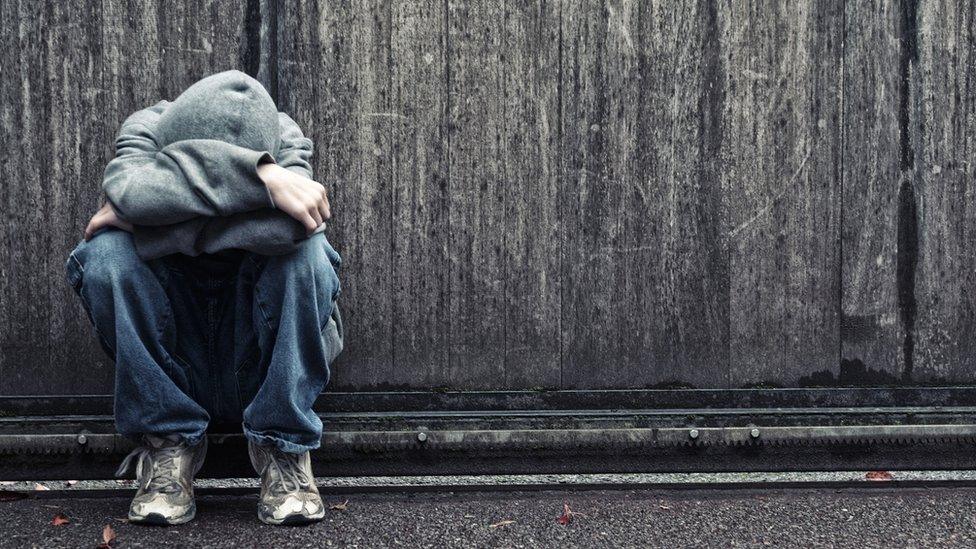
(93,226)
(316,215)
(323,205)
(310,224)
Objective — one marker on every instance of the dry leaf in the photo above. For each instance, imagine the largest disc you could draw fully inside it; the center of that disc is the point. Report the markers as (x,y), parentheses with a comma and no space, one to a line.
(340,506)
(567,515)
(501,523)
(39,486)
(664,507)
(108,537)
(878,475)
(60,520)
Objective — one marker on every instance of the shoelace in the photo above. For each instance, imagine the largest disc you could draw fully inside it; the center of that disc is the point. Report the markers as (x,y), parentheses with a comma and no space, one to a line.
(163,474)
(290,476)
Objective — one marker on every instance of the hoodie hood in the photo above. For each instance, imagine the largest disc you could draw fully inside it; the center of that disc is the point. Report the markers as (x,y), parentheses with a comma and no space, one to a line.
(229,106)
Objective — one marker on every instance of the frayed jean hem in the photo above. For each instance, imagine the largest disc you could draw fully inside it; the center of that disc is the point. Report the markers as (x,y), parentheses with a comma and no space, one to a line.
(282,444)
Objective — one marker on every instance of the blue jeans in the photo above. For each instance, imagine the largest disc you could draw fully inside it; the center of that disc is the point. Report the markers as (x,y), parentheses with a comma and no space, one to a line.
(196,340)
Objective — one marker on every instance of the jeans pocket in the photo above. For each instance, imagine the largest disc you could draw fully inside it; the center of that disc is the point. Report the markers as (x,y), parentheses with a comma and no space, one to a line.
(332,254)
(332,336)
(74,272)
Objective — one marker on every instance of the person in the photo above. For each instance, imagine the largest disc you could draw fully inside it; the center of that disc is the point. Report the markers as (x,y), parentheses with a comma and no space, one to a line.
(210,283)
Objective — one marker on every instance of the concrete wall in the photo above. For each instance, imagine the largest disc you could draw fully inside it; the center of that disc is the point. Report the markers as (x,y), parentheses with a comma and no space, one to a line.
(547,194)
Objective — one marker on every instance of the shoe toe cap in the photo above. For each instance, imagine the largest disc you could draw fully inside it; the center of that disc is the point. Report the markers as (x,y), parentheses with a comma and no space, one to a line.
(159,505)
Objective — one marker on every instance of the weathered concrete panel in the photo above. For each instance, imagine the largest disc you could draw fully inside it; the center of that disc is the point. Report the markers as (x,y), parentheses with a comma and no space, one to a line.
(874,89)
(937,217)
(645,263)
(781,156)
(333,76)
(71,74)
(579,194)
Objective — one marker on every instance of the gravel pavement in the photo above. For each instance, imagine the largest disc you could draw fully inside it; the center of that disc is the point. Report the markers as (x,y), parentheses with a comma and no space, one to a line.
(647,517)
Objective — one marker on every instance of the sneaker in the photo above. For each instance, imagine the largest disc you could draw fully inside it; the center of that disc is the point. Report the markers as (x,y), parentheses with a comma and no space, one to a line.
(288,492)
(164,480)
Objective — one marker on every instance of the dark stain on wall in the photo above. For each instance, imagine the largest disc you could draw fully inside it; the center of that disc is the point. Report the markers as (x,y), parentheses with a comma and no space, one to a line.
(909,56)
(907,261)
(250,48)
(907,255)
(853,373)
(860,328)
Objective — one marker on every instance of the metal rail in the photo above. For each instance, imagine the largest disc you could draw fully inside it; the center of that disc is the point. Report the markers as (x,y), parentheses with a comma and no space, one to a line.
(347,450)
(519,440)
(432,433)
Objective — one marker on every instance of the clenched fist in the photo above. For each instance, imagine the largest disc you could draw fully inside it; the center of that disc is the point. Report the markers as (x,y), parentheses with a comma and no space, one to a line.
(301,198)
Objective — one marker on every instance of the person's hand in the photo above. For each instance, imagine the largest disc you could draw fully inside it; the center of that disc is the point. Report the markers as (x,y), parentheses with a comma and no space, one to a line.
(301,198)
(105,217)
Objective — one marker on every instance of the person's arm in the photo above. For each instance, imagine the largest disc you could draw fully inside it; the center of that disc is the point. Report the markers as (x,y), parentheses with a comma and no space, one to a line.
(152,185)
(295,151)
(265,231)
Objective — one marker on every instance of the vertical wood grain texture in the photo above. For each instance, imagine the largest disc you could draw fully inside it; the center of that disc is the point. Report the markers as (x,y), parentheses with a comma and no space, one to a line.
(421,195)
(530,239)
(51,85)
(575,194)
(781,168)
(871,329)
(601,307)
(333,75)
(476,201)
(942,158)
(645,298)
(71,74)
(695,274)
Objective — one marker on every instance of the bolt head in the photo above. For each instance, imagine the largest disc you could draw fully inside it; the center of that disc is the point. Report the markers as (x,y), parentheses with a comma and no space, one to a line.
(422,437)
(693,434)
(82,439)
(754,433)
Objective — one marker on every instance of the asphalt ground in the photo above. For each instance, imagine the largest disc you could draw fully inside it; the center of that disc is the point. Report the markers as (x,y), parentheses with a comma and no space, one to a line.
(862,515)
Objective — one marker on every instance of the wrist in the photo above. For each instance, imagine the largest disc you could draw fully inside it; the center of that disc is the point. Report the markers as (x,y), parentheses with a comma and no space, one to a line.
(267,174)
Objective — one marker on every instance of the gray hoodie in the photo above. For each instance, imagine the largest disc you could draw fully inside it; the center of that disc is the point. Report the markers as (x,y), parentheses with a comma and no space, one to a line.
(185,172)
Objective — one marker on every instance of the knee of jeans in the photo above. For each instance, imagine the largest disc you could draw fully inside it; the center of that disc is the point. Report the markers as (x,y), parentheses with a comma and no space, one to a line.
(311,265)
(108,258)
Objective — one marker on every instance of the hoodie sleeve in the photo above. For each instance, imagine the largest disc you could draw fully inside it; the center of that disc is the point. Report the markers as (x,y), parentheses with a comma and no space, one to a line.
(295,152)
(266,231)
(152,185)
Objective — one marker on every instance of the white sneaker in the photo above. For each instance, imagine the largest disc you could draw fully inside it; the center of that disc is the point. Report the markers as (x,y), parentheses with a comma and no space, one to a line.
(288,492)
(164,476)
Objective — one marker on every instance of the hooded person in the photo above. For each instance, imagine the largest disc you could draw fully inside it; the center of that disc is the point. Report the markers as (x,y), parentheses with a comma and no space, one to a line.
(190,346)
(185,172)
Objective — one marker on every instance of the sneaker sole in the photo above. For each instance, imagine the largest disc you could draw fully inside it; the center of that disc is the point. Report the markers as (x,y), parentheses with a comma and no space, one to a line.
(155,519)
(292,520)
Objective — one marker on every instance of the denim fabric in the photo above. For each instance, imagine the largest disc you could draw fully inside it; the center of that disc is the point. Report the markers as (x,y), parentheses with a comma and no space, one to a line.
(200,340)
